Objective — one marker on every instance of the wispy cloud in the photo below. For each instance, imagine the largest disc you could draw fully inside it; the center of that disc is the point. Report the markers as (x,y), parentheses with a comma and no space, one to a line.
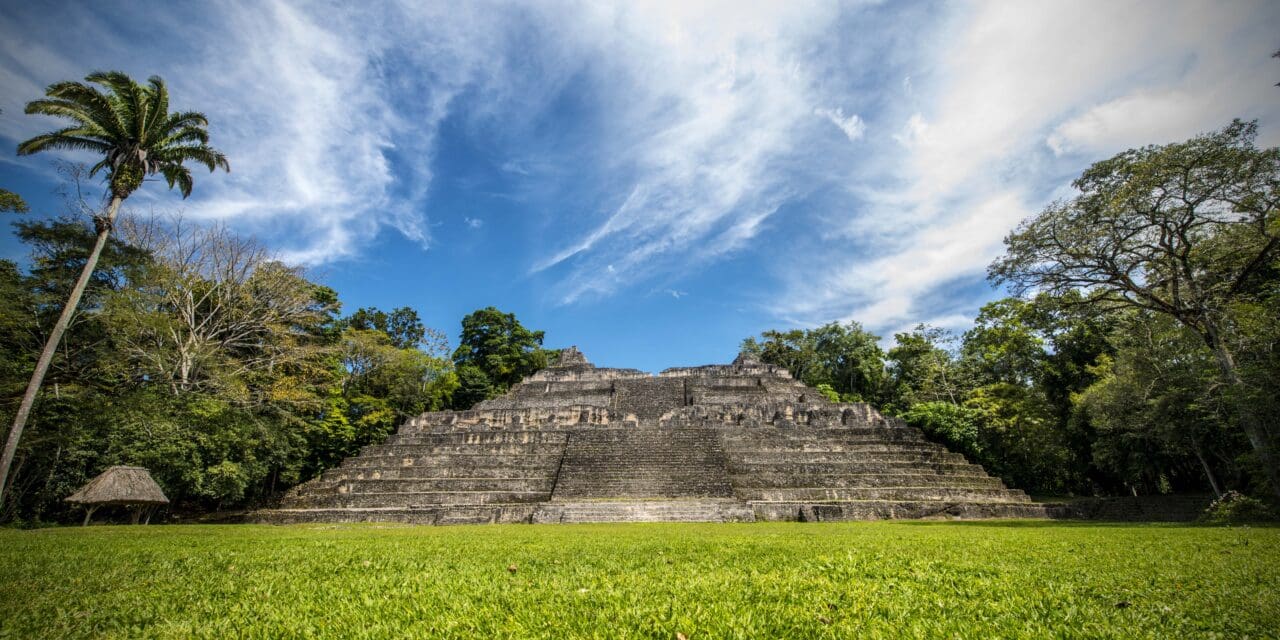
(657,139)
(997,121)
(852,125)
(710,97)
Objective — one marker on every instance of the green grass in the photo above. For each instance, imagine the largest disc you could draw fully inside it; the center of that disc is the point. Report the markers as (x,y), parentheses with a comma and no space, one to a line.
(867,580)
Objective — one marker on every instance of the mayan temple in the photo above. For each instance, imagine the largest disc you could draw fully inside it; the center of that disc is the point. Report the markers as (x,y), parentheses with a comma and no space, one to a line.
(577,443)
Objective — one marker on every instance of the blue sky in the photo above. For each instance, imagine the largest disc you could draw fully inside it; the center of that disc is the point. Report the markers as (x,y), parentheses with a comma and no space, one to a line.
(650,181)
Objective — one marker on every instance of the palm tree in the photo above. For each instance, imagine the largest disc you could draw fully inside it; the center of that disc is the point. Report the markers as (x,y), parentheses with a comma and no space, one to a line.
(130,125)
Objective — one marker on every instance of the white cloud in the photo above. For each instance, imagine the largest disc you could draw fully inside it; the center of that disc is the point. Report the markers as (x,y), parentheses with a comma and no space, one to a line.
(323,159)
(1011,102)
(702,125)
(473,223)
(709,97)
(852,125)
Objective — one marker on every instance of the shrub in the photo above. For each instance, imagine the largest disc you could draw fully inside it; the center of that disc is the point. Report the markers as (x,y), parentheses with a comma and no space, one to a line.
(1235,508)
(828,392)
(950,424)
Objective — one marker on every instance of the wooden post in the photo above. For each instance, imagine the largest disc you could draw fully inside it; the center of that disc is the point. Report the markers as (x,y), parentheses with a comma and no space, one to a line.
(136,513)
(88,513)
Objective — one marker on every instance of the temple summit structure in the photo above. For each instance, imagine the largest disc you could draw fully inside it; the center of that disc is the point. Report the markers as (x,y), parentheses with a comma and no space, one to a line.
(579,443)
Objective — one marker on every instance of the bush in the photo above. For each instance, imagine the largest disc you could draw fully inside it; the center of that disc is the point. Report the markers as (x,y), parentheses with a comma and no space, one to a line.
(828,392)
(950,424)
(1236,508)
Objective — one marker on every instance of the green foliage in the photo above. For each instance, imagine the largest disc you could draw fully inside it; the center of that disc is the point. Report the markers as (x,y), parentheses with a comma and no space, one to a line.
(130,126)
(921,369)
(1234,507)
(229,375)
(402,326)
(950,424)
(12,202)
(473,387)
(845,357)
(1021,439)
(828,392)
(496,346)
(1188,231)
(1157,409)
(765,580)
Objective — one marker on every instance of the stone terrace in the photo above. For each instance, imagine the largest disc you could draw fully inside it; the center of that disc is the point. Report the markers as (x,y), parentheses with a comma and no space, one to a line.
(577,443)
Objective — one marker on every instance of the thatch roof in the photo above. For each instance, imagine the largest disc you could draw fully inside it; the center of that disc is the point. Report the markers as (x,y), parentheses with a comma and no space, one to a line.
(120,485)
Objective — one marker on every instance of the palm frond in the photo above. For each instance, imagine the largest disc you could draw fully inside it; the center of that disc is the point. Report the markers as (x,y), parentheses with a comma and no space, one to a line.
(130,125)
(204,154)
(57,140)
(183,136)
(176,174)
(127,98)
(93,102)
(186,119)
(158,109)
(63,109)
(102,164)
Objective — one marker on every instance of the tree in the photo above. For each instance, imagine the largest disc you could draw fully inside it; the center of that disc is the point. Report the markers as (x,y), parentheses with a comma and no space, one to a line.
(10,201)
(845,357)
(211,308)
(921,369)
(402,326)
(131,127)
(1157,409)
(497,346)
(1186,230)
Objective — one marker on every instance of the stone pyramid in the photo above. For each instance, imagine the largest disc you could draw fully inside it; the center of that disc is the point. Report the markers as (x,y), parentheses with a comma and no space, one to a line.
(578,443)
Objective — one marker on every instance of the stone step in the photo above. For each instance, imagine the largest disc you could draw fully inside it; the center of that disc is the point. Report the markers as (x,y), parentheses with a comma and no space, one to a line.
(643,462)
(415,499)
(418,485)
(400,447)
(963,469)
(912,494)
(644,511)
(805,457)
(463,450)
(814,434)
(498,437)
(886,509)
(545,472)
(455,460)
(763,481)
(831,447)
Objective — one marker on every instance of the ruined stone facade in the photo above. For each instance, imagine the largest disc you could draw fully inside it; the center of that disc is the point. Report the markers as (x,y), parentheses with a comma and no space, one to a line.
(577,443)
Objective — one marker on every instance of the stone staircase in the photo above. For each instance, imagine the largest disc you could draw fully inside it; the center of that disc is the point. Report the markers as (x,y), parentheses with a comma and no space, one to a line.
(643,463)
(723,443)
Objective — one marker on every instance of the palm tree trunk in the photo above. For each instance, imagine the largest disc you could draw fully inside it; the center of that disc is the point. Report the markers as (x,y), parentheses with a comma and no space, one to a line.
(51,346)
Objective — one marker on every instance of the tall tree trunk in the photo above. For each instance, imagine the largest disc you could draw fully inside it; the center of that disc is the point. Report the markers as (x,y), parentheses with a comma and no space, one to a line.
(1250,423)
(1208,472)
(51,346)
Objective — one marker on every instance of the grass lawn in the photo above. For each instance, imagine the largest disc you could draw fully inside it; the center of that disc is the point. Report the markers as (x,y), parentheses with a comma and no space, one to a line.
(767,580)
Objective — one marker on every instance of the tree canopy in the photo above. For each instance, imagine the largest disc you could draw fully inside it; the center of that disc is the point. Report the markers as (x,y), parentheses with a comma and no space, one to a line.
(496,346)
(1188,230)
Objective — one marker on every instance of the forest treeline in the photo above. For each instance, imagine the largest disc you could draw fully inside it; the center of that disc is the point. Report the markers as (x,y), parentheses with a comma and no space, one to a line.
(227,373)
(1138,351)
(1142,351)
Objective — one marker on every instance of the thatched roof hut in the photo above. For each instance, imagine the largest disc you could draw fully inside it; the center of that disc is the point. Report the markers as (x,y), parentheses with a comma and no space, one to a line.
(130,486)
